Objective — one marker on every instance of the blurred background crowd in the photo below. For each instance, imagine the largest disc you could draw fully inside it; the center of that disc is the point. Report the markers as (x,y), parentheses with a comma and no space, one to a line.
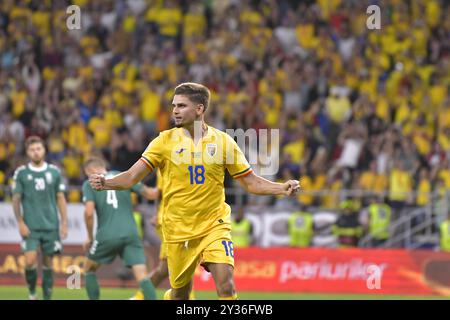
(357,108)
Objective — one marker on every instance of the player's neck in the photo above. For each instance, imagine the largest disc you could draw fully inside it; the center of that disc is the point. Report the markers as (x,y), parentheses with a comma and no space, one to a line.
(194,132)
(37,167)
(39,164)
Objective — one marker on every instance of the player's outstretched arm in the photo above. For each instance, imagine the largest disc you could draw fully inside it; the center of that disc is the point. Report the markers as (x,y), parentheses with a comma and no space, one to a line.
(258,185)
(123,181)
(62,208)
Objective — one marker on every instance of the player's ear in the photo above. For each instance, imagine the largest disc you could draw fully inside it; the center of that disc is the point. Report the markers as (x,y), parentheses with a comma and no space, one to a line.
(200,109)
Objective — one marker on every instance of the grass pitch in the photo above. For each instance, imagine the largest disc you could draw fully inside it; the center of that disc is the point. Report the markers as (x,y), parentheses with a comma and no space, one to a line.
(59,293)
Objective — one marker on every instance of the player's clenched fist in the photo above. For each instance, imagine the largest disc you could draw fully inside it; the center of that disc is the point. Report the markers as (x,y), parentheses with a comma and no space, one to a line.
(291,187)
(97,181)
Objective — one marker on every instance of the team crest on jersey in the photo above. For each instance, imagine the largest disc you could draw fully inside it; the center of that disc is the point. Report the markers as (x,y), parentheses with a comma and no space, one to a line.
(211,149)
(30,177)
(48,177)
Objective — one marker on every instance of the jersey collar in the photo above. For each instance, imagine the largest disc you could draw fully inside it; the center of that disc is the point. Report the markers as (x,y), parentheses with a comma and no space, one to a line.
(208,136)
(37,169)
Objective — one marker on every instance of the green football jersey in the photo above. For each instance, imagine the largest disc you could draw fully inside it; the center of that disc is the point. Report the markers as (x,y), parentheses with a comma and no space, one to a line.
(38,188)
(114,211)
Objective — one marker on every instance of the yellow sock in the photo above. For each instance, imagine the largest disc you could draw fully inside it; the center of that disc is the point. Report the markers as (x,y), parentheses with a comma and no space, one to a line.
(233,297)
(168,295)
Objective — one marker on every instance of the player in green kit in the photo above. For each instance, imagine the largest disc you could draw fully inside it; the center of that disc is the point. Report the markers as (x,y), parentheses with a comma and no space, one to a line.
(38,195)
(116,233)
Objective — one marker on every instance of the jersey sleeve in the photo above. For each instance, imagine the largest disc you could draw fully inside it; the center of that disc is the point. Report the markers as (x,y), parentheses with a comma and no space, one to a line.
(153,155)
(137,187)
(235,161)
(17,184)
(60,185)
(88,193)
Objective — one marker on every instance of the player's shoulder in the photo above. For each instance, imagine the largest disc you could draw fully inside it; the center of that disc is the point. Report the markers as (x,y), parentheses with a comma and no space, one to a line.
(54,168)
(163,136)
(217,132)
(86,185)
(19,170)
(169,137)
(169,133)
(220,136)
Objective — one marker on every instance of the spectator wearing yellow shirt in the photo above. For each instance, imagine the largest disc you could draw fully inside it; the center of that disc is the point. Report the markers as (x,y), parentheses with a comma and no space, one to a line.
(169,19)
(56,148)
(194,22)
(41,19)
(100,128)
(306,197)
(18,98)
(371,180)
(338,109)
(2,181)
(443,172)
(400,186)
(437,92)
(444,115)
(77,135)
(72,166)
(150,106)
(297,148)
(113,116)
(423,188)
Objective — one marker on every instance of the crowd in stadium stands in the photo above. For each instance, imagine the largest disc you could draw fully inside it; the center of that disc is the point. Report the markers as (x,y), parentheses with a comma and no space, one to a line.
(356,108)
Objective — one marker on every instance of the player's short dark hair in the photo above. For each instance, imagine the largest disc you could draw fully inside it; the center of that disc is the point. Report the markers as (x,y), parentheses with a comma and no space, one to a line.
(32,140)
(94,161)
(196,92)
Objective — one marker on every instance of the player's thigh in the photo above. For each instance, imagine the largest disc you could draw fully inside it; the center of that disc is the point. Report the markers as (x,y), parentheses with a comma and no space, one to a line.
(218,248)
(182,260)
(30,243)
(51,243)
(104,251)
(132,252)
(223,277)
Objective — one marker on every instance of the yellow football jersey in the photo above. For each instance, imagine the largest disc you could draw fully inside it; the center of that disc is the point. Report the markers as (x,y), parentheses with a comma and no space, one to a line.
(193,176)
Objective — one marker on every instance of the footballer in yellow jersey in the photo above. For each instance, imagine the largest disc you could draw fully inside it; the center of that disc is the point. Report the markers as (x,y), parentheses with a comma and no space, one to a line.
(193,158)
(193,188)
